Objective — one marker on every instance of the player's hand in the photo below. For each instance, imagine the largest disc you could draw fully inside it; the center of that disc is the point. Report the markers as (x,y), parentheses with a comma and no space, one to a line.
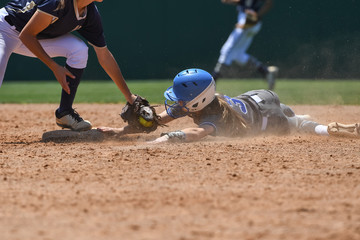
(60,74)
(114,131)
(251,15)
(108,130)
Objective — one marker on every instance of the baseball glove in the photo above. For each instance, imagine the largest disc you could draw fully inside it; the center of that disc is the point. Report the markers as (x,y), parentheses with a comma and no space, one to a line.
(140,116)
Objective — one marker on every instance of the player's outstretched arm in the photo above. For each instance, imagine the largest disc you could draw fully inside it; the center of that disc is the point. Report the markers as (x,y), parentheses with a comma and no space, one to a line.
(111,67)
(117,131)
(185,135)
(164,118)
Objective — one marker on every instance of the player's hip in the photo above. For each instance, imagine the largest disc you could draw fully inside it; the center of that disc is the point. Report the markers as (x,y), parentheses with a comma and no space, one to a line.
(270,117)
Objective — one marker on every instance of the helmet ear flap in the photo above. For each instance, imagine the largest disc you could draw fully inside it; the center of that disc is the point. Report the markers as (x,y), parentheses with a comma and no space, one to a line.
(203,99)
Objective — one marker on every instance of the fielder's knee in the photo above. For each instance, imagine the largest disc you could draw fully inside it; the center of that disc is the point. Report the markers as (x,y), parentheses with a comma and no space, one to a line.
(242,59)
(287,110)
(79,55)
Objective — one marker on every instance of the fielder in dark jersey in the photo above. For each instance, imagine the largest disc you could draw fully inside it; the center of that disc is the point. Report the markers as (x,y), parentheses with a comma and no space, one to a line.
(42,29)
(64,19)
(249,114)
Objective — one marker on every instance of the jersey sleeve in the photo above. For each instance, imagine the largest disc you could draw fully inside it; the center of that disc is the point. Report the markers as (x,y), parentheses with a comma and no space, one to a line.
(49,7)
(92,30)
(210,120)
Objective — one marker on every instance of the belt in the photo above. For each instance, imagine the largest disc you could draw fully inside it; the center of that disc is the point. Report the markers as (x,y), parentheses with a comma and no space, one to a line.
(7,18)
(264,122)
(259,118)
(256,98)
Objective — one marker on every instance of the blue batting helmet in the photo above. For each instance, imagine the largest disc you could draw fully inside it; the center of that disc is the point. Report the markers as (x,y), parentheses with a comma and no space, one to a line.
(195,88)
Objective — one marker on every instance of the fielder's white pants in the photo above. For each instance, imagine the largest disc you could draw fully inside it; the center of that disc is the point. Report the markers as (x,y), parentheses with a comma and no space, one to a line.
(239,41)
(69,46)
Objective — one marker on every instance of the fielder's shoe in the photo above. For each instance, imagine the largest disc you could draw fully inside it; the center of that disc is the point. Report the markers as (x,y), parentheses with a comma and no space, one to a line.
(271,75)
(71,119)
(344,130)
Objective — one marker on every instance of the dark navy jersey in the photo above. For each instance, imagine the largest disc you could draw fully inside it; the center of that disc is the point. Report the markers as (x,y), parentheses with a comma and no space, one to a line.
(64,20)
(252,4)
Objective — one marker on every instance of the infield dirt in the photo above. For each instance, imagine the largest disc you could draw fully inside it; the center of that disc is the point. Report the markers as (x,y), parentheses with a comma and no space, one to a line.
(290,187)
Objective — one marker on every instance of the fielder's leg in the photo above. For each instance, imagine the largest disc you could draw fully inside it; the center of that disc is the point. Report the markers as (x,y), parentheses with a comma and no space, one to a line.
(66,116)
(226,56)
(67,100)
(76,53)
(244,59)
(6,46)
(9,41)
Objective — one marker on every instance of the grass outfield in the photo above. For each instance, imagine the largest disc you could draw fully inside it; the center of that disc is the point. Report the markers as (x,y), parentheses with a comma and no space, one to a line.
(292,92)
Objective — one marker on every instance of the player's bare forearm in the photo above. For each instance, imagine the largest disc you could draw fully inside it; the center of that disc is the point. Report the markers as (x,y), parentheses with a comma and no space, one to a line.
(109,64)
(186,135)
(28,36)
(117,131)
(195,134)
(165,118)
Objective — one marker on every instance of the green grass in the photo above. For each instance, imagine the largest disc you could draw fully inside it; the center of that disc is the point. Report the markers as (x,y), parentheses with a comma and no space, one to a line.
(299,91)
(323,92)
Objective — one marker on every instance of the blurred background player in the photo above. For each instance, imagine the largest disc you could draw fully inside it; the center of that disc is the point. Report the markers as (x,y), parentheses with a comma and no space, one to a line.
(248,25)
(249,114)
(41,28)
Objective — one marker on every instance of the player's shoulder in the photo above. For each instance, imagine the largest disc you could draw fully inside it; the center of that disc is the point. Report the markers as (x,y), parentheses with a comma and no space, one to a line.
(93,11)
(54,3)
(92,7)
(51,6)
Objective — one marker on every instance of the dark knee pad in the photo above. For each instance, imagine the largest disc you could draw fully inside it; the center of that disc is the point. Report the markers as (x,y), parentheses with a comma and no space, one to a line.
(287,110)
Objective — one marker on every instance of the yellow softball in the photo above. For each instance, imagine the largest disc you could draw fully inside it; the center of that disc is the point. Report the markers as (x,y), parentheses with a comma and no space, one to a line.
(145,123)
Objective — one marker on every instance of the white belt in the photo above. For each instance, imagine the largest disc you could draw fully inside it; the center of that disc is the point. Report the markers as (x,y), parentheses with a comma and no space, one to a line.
(257,99)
